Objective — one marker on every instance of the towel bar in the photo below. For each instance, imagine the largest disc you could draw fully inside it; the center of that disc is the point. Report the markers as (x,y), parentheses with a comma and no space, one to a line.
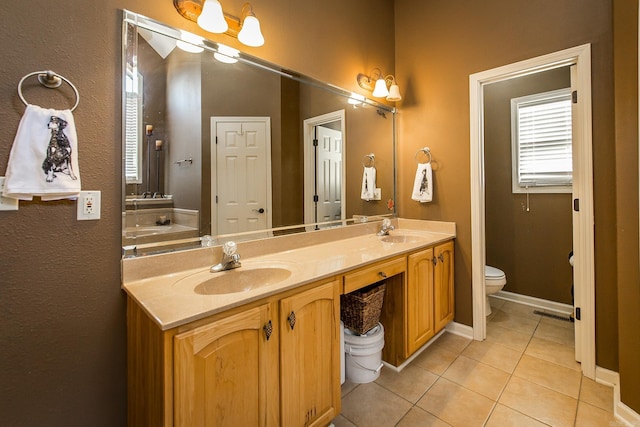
(51,80)
(426,151)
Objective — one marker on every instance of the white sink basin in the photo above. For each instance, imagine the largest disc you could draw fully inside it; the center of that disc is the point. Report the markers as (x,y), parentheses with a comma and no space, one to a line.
(232,281)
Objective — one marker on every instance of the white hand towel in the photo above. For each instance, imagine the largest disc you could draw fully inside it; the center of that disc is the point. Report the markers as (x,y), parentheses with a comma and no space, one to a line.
(368,183)
(423,184)
(44,157)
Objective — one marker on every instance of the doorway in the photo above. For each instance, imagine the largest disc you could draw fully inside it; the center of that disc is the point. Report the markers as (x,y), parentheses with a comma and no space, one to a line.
(240,174)
(324,168)
(583,237)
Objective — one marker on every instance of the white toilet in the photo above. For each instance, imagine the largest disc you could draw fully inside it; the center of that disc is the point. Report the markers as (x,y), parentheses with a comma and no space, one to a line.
(494,281)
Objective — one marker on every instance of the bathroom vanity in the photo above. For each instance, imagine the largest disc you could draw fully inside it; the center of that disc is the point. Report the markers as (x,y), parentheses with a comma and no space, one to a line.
(259,345)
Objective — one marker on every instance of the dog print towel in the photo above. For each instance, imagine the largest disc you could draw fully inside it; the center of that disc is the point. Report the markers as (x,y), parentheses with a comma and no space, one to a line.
(44,157)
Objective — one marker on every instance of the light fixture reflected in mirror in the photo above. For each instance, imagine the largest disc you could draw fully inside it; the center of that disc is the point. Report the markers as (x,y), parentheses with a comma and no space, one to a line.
(379,85)
(190,42)
(226,54)
(210,17)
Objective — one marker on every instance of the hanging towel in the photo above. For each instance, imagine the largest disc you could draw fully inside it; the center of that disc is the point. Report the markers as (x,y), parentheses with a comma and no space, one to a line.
(423,183)
(368,183)
(44,157)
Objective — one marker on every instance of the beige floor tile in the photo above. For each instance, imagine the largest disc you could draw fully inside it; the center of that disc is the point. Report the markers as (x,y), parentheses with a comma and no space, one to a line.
(451,342)
(553,352)
(372,405)
(409,384)
(543,404)
(495,355)
(417,417)
(507,337)
(347,387)
(556,322)
(341,421)
(597,394)
(478,377)
(503,416)
(555,333)
(435,359)
(518,323)
(591,416)
(456,405)
(496,303)
(547,374)
(520,310)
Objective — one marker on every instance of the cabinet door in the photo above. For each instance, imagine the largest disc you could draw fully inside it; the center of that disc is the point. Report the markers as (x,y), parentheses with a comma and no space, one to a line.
(420,325)
(310,356)
(226,372)
(443,285)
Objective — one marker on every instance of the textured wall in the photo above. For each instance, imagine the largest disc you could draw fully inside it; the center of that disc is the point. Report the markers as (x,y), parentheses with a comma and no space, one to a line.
(62,341)
(626,145)
(438,45)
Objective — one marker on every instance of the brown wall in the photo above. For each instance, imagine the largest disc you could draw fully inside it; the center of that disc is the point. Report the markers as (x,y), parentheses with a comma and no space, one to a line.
(530,246)
(62,341)
(626,146)
(438,45)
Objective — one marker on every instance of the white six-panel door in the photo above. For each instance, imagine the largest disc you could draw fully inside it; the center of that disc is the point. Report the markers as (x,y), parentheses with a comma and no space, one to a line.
(240,174)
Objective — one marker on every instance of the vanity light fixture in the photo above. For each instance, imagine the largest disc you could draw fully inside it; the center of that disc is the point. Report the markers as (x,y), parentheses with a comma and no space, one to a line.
(210,17)
(379,85)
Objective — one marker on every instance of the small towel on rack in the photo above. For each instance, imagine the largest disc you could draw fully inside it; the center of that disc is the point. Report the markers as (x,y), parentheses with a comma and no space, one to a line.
(368,183)
(423,183)
(44,157)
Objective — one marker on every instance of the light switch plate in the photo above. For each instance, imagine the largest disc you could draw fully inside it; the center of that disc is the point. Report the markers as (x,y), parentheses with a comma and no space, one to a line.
(377,194)
(6,203)
(88,205)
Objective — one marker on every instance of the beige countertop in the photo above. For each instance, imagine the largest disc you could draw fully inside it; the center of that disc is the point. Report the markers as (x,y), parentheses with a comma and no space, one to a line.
(154,282)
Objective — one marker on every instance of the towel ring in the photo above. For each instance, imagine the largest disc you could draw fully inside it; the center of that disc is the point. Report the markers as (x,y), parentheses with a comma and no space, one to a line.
(426,152)
(49,79)
(370,159)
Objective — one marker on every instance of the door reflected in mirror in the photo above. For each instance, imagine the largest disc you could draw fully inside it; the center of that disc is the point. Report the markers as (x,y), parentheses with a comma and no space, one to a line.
(242,148)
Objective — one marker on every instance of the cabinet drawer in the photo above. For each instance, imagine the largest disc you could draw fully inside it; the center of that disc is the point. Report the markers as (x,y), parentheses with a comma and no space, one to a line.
(373,274)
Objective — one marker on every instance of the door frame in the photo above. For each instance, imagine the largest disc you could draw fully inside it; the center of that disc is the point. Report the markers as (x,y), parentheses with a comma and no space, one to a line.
(309,160)
(583,223)
(214,157)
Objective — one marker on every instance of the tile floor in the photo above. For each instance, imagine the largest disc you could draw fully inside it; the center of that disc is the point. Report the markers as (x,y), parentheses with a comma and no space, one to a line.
(523,374)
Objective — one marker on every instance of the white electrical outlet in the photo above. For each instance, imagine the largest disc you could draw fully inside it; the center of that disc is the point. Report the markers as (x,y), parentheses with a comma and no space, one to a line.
(6,203)
(377,194)
(88,205)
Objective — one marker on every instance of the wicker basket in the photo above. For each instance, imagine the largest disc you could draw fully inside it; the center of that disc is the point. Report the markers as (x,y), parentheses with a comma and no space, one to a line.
(360,310)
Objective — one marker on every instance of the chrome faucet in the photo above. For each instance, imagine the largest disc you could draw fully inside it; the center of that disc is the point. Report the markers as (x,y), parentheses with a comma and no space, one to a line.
(386,227)
(230,259)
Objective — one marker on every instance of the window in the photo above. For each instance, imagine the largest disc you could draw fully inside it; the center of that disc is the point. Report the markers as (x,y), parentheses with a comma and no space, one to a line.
(541,142)
(133,129)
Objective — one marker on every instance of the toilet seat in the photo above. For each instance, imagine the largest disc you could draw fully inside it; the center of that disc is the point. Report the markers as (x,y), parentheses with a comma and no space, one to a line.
(494,276)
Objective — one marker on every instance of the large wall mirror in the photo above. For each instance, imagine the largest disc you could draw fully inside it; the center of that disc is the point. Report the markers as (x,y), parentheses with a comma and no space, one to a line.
(218,143)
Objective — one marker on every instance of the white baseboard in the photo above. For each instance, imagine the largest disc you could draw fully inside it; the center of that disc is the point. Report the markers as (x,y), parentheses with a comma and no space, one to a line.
(460,329)
(621,411)
(552,306)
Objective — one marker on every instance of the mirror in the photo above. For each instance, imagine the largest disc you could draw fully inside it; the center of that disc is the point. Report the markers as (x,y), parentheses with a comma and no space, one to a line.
(222,144)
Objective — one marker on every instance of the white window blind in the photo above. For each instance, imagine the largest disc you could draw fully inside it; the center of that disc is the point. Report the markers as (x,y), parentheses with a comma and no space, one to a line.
(133,131)
(541,142)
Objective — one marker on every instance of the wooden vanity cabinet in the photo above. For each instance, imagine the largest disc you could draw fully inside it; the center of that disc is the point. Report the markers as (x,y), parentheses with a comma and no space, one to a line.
(310,356)
(443,290)
(226,372)
(430,303)
(420,320)
(245,367)
(392,317)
